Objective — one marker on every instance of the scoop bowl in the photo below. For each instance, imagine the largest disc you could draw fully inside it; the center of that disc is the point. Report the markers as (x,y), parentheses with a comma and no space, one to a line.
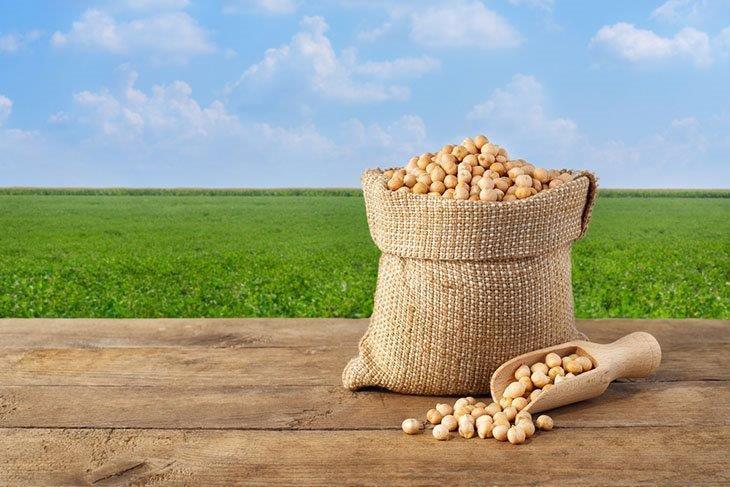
(637,355)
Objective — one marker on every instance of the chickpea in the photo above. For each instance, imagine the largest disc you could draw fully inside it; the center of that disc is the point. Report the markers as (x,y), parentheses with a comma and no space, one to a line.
(522,192)
(555,371)
(501,159)
(470,146)
(464,176)
(522,371)
(500,418)
(486,183)
(537,185)
(519,403)
(437,187)
(539,367)
(527,382)
(441,432)
(470,161)
(409,180)
(450,181)
(566,177)
(448,163)
(477,170)
(449,194)
(395,182)
(552,360)
(523,180)
(460,152)
(389,173)
(565,361)
(484,419)
(528,168)
(505,402)
(493,408)
(433,416)
(478,412)
(574,367)
(585,362)
(419,188)
(540,174)
(444,409)
(488,195)
(446,149)
(533,395)
(461,191)
(513,390)
(438,174)
(466,427)
(544,422)
(491,174)
(450,422)
(499,431)
(480,404)
(503,184)
(516,435)
(539,379)
(510,412)
(555,183)
(547,387)
(490,149)
(484,429)
(499,168)
(526,426)
(485,160)
(523,415)
(480,140)
(509,197)
(424,161)
(411,426)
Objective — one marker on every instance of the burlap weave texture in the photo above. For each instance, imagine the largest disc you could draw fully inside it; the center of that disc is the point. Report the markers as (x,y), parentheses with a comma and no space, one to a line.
(463,286)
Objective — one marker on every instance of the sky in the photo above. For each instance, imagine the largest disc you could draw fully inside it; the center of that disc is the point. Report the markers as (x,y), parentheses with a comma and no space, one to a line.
(288,93)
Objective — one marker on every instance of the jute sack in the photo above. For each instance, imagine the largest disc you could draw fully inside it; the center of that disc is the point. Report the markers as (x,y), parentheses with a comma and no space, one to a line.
(465,285)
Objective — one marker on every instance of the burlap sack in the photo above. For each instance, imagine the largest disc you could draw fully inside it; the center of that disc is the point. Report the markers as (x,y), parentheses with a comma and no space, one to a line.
(463,286)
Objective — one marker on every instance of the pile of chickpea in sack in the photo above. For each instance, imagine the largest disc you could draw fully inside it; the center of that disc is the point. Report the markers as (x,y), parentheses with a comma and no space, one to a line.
(475,170)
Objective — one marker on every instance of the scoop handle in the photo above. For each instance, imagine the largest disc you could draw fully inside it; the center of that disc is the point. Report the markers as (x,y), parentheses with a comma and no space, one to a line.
(634,356)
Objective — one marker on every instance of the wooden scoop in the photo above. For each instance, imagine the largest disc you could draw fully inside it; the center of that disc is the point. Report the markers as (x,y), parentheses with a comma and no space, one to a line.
(634,356)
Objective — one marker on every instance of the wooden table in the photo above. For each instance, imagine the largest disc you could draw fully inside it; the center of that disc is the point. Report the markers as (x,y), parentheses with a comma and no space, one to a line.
(259,401)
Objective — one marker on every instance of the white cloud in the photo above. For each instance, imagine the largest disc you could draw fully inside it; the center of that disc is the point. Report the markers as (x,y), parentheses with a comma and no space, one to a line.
(640,45)
(165,137)
(399,67)
(310,58)
(147,5)
(371,35)
(462,24)
(517,114)
(168,35)
(546,5)
(6,106)
(14,41)
(272,7)
(674,11)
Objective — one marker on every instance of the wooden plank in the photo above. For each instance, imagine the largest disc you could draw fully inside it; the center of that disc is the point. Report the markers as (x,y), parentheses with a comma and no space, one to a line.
(309,408)
(277,332)
(627,456)
(253,366)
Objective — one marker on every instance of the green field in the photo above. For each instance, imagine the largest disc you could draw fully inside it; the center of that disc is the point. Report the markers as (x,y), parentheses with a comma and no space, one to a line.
(180,253)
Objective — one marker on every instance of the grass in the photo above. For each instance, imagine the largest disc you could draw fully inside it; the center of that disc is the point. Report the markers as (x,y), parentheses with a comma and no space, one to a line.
(189,253)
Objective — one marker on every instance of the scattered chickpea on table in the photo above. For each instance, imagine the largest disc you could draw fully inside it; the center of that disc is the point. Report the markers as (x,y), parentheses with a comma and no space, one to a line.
(506,420)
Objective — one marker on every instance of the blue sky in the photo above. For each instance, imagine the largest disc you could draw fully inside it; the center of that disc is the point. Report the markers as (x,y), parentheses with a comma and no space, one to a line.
(282,93)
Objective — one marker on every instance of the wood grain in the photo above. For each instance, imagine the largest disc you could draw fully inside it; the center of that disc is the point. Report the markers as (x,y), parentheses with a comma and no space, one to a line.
(197,366)
(318,407)
(238,401)
(635,456)
(290,332)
